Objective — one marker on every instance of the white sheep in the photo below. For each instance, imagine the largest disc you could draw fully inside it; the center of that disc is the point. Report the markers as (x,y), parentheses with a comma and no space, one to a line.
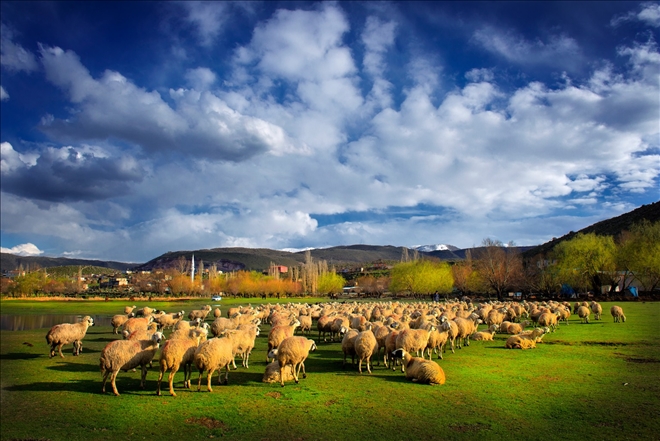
(365,346)
(419,369)
(272,373)
(277,334)
(136,323)
(617,314)
(180,351)
(486,335)
(65,333)
(583,312)
(597,309)
(348,345)
(128,354)
(200,313)
(129,309)
(214,354)
(294,351)
(169,320)
(118,321)
(243,341)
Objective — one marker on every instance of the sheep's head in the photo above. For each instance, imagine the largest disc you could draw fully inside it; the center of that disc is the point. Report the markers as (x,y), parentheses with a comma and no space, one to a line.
(398,353)
(312,348)
(157,337)
(90,321)
(272,353)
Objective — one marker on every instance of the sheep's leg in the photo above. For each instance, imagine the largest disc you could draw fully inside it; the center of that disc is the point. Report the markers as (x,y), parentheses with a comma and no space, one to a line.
(143,377)
(105,379)
(226,375)
(302,364)
(208,380)
(160,377)
(199,381)
(59,348)
(113,378)
(368,364)
(360,365)
(170,379)
(282,374)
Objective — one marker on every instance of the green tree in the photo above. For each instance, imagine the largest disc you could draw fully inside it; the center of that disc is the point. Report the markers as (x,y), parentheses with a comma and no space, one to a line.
(330,283)
(421,277)
(639,254)
(587,261)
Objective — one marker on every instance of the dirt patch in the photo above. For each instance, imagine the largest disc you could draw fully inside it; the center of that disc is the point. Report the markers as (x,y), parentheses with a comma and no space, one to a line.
(330,403)
(209,423)
(604,343)
(464,428)
(275,395)
(641,360)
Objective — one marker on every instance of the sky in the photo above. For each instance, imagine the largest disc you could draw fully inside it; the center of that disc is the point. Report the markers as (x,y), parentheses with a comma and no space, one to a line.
(130,129)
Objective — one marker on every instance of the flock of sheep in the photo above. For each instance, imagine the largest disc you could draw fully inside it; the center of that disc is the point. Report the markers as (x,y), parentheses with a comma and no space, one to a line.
(397,329)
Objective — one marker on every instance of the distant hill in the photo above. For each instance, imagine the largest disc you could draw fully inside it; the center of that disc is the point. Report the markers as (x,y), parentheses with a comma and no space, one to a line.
(609,227)
(10,262)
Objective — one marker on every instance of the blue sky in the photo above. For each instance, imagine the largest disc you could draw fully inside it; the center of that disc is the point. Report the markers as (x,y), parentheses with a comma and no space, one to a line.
(133,129)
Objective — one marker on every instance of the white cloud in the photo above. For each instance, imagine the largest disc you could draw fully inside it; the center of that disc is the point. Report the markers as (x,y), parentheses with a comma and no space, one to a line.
(26,249)
(201,78)
(649,14)
(4,96)
(206,18)
(13,56)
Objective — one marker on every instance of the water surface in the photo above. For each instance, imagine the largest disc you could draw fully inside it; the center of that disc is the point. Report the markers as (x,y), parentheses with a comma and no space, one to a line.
(14,322)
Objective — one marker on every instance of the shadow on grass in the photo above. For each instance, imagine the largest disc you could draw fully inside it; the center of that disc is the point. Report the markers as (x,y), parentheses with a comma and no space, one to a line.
(19,356)
(65,366)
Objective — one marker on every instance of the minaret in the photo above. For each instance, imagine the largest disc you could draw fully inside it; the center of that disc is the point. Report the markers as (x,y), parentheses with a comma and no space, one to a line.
(192,270)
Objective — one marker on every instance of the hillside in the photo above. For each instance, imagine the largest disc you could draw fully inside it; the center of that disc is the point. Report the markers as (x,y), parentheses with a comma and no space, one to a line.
(9,262)
(609,227)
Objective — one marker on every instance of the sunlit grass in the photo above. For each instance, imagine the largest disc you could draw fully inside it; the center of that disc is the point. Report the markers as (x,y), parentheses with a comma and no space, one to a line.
(595,381)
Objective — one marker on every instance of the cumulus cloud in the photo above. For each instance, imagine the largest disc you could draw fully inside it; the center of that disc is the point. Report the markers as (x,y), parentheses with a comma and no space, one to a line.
(206,19)
(649,13)
(13,56)
(26,249)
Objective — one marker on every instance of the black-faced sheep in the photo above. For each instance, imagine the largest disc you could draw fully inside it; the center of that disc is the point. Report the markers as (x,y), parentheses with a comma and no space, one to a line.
(65,333)
(617,314)
(128,354)
(177,352)
(419,369)
(294,351)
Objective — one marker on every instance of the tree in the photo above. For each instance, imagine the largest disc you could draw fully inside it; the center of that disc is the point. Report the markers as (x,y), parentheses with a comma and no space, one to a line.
(587,261)
(466,278)
(330,283)
(421,277)
(498,267)
(639,254)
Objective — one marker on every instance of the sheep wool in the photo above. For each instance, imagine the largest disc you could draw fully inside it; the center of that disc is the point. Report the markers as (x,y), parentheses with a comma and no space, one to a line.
(214,354)
(617,314)
(294,351)
(177,352)
(365,346)
(272,373)
(421,370)
(65,333)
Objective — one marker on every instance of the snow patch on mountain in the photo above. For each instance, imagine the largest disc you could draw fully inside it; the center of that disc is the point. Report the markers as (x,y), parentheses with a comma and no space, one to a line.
(436,247)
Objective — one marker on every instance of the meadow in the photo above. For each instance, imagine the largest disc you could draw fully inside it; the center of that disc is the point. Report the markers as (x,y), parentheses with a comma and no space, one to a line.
(586,381)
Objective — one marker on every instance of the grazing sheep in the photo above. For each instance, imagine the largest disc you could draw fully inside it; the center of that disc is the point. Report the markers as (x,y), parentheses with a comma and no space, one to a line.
(129,309)
(170,320)
(272,374)
(128,354)
(294,351)
(65,333)
(485,335)
(214,354)
(200,313)
(305,323)
(136,323)
(277,334)
(617,314)
(365,346)
(583,312)
(348,345)
(180,351)
(119,320)
(597,309)
(549,319)
(419,369)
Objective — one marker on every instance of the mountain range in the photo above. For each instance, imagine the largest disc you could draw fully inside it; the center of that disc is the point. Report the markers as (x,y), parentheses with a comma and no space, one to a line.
(259,259)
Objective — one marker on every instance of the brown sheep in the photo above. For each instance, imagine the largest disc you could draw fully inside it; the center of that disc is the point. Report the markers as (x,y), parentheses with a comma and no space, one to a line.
(617,314)
(419,369)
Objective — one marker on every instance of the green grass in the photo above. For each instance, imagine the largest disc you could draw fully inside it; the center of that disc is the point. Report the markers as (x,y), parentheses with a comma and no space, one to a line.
(595,381)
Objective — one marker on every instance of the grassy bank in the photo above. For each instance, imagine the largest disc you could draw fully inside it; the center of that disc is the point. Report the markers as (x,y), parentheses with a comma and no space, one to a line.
(595,381)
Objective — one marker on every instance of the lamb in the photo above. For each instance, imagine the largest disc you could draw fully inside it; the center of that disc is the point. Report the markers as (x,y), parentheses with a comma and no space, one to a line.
(169,320)
(214,354)
(294,351)
(597,309)
(200,313)
(217,313)
(485,335)
(583,312)
(128,354)
(177,352)
(128,309)
(365,346)
(617,314)
(348,345)
(272,374)
(65,333)
(277,334)
(119,320)
(136,323)
(419,369)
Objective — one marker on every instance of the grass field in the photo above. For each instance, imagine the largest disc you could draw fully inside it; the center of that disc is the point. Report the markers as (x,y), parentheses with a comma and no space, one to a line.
(594,381)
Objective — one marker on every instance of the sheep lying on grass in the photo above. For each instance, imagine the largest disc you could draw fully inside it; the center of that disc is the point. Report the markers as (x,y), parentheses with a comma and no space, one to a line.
(486,335)
(177,352)
(525,341)
(294,351)
(128,354)
(617,314)
(65,333)
(272,374)
(419,369)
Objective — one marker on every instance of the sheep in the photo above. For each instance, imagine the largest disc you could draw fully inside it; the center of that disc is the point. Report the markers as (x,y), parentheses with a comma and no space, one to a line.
(65,333)
(324,324)
(277,334)
(222,324)
(214,354)
(243,341)
(294,351)
(413,340)
(129,309)
(141,333)
(169,320)
(466,327)
(419,369)
(549,319)
(390,347)
(305,323)
(272,374)
(438,339)
(199,313)
(348,345)
(597,309)
(339,324)
(144,312)
(136,323)
(539,336)
(128,354)
(617,314)
(583,312)
(485,335)
(365,346)
(179,351)
(525,341)
(217,313)
(119,320)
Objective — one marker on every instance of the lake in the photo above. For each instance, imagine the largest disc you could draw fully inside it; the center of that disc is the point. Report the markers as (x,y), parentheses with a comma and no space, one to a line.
(12,322)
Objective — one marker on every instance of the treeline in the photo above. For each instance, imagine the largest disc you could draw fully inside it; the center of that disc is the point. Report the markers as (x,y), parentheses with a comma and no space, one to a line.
(587,262)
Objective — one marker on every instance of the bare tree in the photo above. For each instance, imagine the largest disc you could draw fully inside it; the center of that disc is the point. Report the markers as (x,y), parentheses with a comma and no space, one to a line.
(499,267)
